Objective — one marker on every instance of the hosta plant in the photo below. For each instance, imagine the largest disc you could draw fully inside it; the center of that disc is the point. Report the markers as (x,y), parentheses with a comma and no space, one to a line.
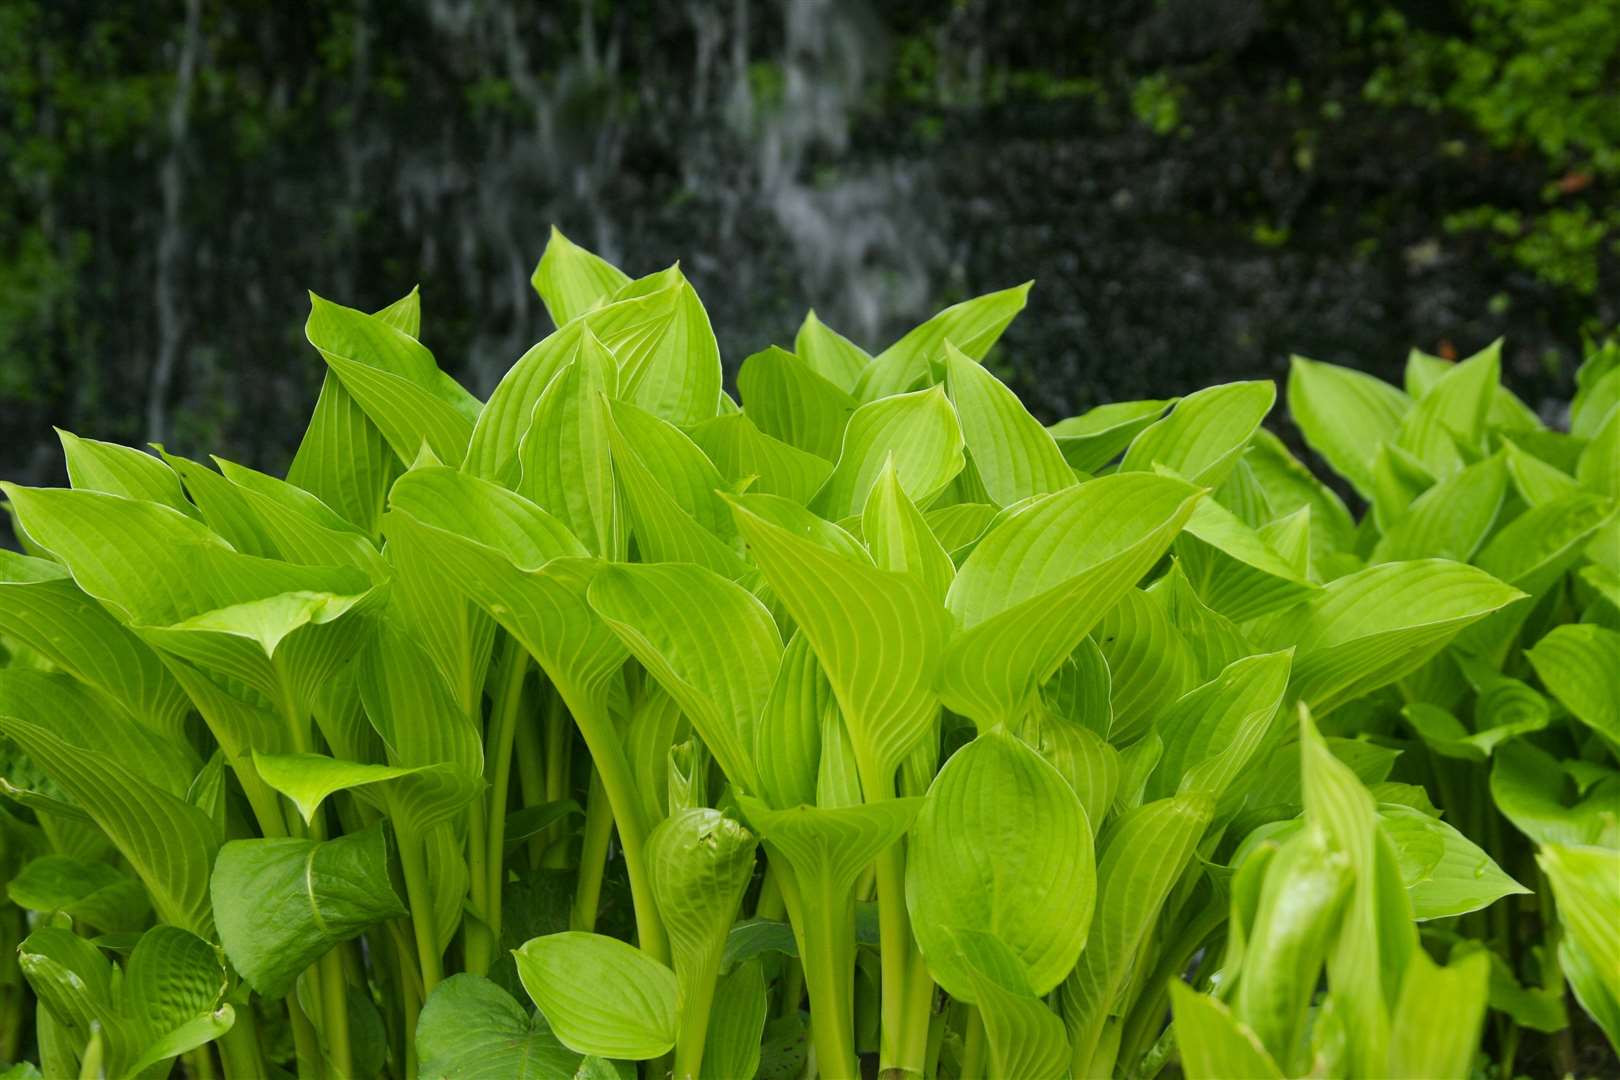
(854,723)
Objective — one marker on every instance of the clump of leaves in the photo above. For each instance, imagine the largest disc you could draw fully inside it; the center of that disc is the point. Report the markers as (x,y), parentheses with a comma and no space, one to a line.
(613,720)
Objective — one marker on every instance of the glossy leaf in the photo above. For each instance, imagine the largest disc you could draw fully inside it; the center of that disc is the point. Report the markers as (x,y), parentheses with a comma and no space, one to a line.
(600,995)
(1002,846)
(282,903)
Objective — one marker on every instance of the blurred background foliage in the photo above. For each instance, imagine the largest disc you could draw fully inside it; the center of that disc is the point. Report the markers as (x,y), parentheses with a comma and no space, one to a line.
(1199,187)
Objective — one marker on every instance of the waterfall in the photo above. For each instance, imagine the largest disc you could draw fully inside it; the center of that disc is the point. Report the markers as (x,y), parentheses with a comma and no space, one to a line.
(171,320)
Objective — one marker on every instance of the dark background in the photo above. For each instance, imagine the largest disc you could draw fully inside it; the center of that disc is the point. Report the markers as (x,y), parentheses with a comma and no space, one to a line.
(1199,187)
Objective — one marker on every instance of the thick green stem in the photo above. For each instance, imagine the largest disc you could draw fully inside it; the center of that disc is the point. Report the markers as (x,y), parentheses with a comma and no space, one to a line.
(396,949)
(919,1016)
(498,763)
(531,781)
(306,1044)
(199,1063)
(829,949)
(327,995)
(936,1041)
(972,1045)
(593,854)
(419,895)
(894,928)
(335,1014)
(619,783)
(901,1051)
(769,905)
(239,1048)
(693,1031)
(479,945)
(792,987)
(558,763)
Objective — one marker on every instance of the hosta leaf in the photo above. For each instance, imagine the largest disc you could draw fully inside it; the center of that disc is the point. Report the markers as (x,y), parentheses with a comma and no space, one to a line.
(1376,937)
(519,564)
(283,903)
(1094,438)
(1599,466)
(273,627)
(424,729)
(960,525)
(918,431)
(1534,479)
(395,380)
(168,842)
(1081,688)
(572,281)
(830,354)
(1445,734)
(308,779)
(673,492)
(456,635)
(1450,520)
(1533,792)
(1002,846)
(1214,1045)
(1026,1038)
(1143,855)
(1287,942)
(831,846)
(876,633)
(93,465)
(1212,639)
(742,452)
(1580,665)
(1507,412)
(1014,455)
(1345,415)
(71,979)
(1369,628)
(1234,569)
(1438,1018)
(471,1029)
(787,741)
(1150,664)
(600,995)
(736,1024)
(1453,876)
(1089,765)
(1534,549)
(91,892)
(1213,734)
(711,645)
(302,528)
(492,451)
(1042,577)
(1586,883)
(669,362)
(1399,477)
(53,616)
(1289,486)
(789,401)
(1289,535)
(1452,412)
(343,459)
(166,1003)
(563,458)
(1205,433)
(899,539)
(700,863)
(973,326)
